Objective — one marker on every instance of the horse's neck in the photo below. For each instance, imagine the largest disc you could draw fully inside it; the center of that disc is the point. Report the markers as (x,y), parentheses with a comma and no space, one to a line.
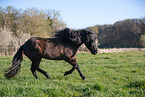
(75,47)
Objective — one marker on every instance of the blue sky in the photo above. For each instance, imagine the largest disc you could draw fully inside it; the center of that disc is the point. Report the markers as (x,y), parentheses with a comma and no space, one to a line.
(83,13)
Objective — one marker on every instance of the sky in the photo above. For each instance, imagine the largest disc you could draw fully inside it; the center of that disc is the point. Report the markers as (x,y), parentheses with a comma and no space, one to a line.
(85,13)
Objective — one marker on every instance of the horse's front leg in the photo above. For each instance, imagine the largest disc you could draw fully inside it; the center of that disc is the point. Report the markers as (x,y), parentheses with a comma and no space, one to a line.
(75,65)
(80,72)
(70,71)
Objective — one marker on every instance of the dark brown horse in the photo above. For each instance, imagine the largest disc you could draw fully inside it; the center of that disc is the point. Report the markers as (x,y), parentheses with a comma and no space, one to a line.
(63,47)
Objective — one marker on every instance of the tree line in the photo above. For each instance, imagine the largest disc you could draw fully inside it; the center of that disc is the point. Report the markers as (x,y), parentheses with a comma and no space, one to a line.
(125,33)
(33,21)
(18,25)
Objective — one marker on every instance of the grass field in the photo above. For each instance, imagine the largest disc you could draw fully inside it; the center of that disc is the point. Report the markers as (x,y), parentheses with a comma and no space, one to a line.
(108,74)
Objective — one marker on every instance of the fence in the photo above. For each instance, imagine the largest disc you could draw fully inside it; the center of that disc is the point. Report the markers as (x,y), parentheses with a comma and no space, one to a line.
(8,50)
(13,50)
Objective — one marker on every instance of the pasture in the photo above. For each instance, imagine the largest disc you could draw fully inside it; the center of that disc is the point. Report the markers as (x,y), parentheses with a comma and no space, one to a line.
(108,74)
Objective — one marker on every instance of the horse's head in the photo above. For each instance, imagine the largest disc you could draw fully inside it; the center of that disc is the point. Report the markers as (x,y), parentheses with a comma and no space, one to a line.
(91,41)
(79,37)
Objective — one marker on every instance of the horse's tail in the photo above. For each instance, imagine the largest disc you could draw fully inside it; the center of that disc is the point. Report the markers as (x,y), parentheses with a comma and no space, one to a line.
(15,68)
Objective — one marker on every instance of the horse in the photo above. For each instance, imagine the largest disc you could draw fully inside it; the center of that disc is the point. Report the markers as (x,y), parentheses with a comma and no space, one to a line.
(63,46)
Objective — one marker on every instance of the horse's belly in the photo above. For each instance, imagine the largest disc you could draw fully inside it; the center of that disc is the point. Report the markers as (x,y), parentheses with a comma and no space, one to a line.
(53,53)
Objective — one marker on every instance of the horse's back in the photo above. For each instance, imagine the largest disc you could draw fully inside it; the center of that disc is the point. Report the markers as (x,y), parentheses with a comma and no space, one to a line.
(49,48)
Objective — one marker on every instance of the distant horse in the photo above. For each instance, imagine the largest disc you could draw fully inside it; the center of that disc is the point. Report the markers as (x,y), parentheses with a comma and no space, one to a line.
(63,47)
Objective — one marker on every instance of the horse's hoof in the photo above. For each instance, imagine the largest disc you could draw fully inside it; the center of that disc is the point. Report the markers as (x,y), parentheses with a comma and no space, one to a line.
(47,76)
(66,73)
(84,78)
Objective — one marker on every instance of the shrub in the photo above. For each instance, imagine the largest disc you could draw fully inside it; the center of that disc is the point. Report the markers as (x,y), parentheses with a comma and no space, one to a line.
(142,40)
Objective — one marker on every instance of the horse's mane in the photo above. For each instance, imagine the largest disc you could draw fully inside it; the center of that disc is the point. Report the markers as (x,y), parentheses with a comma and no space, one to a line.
(66,33)
(71,35)
(76,36)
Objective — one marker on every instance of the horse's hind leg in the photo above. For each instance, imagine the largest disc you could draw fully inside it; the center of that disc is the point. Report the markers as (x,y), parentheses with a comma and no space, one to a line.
(43,72)
(35,66)
(33,70)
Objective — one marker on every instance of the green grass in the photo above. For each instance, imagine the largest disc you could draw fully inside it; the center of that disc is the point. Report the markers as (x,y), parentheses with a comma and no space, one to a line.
(108,74)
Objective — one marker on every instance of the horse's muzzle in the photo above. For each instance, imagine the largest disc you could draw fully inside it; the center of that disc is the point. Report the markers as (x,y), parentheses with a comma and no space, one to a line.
(94,52)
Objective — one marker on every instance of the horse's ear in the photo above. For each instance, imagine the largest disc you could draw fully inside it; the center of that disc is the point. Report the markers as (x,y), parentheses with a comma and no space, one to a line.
(66,30)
